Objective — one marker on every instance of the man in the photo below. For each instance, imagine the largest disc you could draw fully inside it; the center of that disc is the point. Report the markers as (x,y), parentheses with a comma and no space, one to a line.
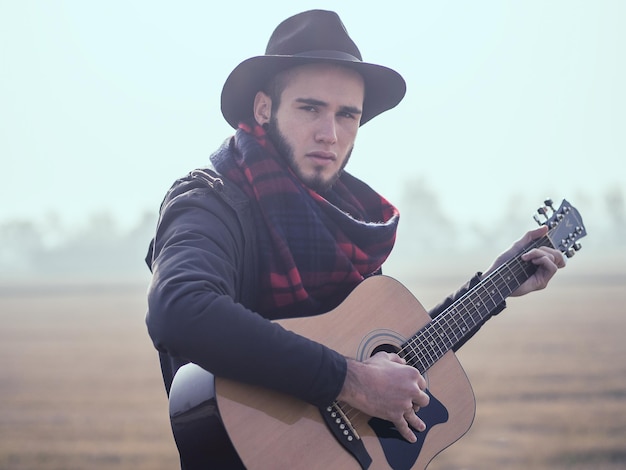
(278,229)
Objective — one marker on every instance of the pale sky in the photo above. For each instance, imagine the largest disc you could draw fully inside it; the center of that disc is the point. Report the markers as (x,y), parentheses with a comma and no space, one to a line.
(104,104)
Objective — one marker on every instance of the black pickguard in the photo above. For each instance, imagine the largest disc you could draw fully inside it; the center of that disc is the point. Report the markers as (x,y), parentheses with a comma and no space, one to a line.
(401,454)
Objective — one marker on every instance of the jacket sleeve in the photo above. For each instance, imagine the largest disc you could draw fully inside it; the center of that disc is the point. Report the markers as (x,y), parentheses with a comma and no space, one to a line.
(443,305)
(197,261)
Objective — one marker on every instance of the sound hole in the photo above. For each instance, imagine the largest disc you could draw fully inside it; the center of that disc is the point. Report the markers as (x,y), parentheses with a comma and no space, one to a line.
(388,348)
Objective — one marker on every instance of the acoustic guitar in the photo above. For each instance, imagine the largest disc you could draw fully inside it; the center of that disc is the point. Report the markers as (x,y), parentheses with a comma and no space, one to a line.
(271,430)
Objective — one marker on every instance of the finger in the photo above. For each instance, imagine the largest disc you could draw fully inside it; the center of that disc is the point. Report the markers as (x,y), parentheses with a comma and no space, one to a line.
(550,254)
(532,235)
(402,425)
(395,358)
(538,232)
(422,400)
(543,259)
(559,258)
(546,268)
(555,256)
(421,382)
(547,263)
(414,421)
(383,355)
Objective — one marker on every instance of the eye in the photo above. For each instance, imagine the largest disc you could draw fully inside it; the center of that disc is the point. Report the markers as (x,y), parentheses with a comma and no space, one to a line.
(309,108)
(347,114)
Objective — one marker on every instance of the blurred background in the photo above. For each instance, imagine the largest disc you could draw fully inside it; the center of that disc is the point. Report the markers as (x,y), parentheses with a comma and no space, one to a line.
(104,104)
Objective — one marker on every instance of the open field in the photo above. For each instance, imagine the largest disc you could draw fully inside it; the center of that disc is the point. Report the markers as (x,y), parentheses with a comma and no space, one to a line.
(80,386)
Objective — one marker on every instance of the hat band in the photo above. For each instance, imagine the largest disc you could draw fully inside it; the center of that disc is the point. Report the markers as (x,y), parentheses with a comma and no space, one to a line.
(325,54)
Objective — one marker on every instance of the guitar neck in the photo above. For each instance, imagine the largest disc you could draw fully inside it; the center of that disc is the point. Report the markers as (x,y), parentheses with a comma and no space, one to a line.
(459,320)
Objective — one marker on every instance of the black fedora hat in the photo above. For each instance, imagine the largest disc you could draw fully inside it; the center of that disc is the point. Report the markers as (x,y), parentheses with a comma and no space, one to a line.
(309,37)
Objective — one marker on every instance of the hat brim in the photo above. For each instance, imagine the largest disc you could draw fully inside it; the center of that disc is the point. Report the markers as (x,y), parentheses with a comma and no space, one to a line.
(384,87)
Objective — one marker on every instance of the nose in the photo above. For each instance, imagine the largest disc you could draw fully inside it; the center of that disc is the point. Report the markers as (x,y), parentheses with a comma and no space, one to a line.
(327,130)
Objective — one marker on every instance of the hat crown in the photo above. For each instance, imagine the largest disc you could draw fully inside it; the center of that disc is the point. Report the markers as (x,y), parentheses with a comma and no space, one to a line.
(314,30)
(307,38)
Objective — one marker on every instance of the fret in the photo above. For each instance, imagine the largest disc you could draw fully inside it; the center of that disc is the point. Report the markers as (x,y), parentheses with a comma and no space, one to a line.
(468,317)
(440,339)
(508,279)
(428,358)
(460,322)
(433,343)
(454,322)
(492,290)
(450,326)
(490,295)
(422,366)
(409,352)
(443,335)
(476,308)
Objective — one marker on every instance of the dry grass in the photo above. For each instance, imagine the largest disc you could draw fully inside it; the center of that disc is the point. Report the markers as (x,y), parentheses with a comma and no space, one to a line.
(80,385)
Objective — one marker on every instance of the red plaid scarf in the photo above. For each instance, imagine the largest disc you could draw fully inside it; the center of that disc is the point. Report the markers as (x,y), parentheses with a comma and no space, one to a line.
(313,249)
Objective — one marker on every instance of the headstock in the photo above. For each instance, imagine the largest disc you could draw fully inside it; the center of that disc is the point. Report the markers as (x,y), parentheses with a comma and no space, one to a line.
(565,224)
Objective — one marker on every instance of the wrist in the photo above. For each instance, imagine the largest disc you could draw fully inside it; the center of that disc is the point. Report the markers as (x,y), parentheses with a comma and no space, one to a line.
(351,385)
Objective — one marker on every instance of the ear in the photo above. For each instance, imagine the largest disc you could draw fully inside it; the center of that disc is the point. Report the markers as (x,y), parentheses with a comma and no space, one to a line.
(262,108)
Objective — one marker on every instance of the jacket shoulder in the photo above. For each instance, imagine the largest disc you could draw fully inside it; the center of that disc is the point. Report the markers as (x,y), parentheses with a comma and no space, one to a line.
(207,190)
(207,180)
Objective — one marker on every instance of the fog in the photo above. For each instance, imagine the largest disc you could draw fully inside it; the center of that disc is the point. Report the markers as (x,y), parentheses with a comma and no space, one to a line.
(430,242)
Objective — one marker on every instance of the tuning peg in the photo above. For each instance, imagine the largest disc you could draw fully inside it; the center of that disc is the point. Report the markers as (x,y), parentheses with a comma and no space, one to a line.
(577,246)
(548,202)
(543,211)
(570,252)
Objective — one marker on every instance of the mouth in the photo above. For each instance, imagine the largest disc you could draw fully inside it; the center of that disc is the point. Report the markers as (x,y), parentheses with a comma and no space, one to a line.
(322,157)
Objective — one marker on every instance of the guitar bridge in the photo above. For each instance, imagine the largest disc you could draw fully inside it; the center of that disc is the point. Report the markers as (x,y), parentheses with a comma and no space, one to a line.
(341,427)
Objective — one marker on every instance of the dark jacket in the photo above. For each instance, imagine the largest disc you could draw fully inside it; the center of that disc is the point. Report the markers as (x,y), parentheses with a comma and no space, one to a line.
(203,291)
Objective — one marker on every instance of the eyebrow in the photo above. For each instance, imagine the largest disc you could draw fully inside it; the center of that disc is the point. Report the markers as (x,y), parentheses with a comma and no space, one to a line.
(315,102)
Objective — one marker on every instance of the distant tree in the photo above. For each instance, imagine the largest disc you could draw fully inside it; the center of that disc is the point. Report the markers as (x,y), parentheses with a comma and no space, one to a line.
(424,228)
(97,251)
(20,247)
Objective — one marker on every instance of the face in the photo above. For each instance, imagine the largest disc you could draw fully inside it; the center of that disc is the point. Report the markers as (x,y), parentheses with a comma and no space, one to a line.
(316,122)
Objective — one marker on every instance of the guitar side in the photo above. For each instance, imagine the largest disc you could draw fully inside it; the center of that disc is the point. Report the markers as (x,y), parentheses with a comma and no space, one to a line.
(273,430)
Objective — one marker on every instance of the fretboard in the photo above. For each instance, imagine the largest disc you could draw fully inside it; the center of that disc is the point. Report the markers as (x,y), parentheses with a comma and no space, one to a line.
(452,326)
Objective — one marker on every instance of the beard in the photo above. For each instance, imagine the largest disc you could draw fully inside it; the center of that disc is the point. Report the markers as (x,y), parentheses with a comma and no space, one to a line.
(317,182)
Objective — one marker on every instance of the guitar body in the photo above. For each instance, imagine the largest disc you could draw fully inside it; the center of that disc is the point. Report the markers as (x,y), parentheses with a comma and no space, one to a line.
(272,430)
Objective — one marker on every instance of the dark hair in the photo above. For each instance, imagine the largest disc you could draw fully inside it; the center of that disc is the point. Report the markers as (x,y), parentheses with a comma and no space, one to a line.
(275,87)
